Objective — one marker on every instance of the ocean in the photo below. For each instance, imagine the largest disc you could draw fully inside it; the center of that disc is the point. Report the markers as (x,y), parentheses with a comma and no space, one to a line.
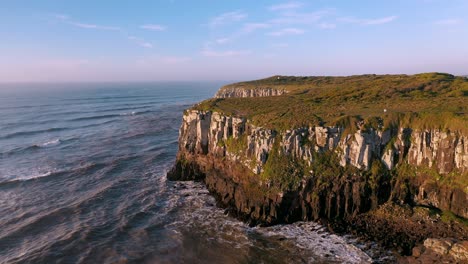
(82,180)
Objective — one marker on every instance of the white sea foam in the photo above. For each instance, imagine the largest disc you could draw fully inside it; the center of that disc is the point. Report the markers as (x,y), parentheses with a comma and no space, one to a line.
(129,114)
(50,143)
(32,176)
(313,237)
(36,176)
(309,239)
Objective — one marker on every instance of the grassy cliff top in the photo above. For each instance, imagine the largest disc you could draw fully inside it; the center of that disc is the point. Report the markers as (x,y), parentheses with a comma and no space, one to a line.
(425,100)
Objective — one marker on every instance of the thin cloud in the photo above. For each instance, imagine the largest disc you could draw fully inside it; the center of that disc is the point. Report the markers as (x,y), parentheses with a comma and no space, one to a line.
(327,25)
(246,29)
(251,27)
(223,40)
(67,20)
(61,16)
(154,27)
(366,22)
(146,45)
(291,18)
(280,45)
(286,31)
(285,6)
(93,26)
(227,53)
(141,42)
(380,20)
(448,22)
(227,18)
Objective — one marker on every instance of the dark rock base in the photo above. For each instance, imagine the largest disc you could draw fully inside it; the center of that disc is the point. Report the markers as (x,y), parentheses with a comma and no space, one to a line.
(346,204)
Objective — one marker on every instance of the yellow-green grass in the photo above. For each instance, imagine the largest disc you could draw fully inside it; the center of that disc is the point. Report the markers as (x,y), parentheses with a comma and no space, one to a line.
(430,100)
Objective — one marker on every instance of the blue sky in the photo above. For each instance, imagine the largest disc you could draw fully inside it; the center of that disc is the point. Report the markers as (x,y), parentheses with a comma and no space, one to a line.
(89,40)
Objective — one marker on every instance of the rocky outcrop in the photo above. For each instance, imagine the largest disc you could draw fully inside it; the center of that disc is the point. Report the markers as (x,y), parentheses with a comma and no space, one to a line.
(446,150)
(231,156)
(246,92)
(405,227)
(439,251)
(208,134)
(205,132)
(431,194)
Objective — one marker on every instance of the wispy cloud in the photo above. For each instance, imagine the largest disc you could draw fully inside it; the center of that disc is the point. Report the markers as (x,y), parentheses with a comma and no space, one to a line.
(61,16)
(379,20)
(146,45)
(246,29)
(227,18)
(287,21)
(365,22)
(448,22)
(280,45)
(154,27)
(141,42)
(226,53)
(93,26)
(251,27)
(67,20)
(222,40)
(307,18)
(286,6)
(286,31)
(327,25)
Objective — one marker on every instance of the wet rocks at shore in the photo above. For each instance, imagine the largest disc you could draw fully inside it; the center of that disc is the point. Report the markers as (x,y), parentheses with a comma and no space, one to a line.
(438,251)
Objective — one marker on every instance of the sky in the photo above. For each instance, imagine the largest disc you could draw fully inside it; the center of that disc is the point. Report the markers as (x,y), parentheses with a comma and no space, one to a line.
(168,40)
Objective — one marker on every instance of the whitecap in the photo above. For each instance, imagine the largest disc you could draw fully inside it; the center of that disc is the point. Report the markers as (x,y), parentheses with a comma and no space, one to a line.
(128,114)
(20,178)
(311,236)
(50,143)
(36,176)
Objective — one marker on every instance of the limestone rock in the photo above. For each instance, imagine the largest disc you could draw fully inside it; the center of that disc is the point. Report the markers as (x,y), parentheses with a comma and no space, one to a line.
(459,251)
(204,133)
(440,246)
(243,92)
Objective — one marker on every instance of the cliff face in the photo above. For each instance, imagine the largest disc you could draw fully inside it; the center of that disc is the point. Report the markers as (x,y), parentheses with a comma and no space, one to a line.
(243,92)
(231,155)
(204,133)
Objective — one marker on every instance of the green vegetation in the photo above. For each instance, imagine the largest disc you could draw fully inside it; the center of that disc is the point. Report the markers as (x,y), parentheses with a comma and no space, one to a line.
(236,145)
(453,179)
(429,100)
(283,171)
(447,217)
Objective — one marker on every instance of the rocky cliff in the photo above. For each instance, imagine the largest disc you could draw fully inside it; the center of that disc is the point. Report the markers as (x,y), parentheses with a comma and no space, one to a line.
(337,173)
(244,92)
(217,137)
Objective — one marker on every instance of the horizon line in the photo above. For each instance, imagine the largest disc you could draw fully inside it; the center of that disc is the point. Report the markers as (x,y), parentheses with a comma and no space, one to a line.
(220,80)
